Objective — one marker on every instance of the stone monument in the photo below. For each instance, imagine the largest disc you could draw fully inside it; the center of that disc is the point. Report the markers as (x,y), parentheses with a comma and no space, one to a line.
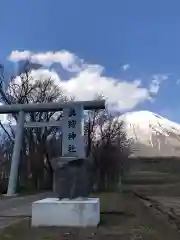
(72,177)
(72,185)
(72,170)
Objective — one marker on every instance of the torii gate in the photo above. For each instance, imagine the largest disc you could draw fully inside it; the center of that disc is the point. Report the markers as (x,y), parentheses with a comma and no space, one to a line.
(72,124)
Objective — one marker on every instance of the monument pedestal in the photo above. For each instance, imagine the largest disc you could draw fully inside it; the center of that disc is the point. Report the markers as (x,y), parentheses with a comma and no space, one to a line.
(66,213)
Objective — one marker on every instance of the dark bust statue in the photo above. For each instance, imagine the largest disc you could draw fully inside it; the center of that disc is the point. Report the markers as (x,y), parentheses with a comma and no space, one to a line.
(72,177)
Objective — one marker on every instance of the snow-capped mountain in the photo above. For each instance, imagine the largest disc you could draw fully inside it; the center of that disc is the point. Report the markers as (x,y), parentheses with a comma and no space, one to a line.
(151,134)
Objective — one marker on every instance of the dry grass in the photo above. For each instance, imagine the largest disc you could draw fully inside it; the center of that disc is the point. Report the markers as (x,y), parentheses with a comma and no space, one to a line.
(154,183)
(151,178)
(123,217)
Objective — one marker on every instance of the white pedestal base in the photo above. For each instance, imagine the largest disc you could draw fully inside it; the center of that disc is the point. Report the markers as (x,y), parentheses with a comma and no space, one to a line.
(66,213)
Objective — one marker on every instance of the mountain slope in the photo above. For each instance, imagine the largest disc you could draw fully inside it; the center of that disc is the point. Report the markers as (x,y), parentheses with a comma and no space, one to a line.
(151,134)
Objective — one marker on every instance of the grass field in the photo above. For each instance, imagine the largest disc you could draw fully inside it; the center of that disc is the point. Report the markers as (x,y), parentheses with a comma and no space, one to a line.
(154,183)
(123,215)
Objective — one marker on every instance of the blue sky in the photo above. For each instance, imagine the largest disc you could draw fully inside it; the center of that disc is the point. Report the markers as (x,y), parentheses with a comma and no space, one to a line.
(135,43)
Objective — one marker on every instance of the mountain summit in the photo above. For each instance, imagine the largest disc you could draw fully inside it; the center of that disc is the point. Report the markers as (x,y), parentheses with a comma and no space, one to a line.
(151,134)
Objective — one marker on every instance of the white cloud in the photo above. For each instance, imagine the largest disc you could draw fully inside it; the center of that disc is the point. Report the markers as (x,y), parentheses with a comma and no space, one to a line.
(178,82)
(88,80)
(125,67)
(18,56)
(156,82)
(154,86)
(69,61)
(120,95)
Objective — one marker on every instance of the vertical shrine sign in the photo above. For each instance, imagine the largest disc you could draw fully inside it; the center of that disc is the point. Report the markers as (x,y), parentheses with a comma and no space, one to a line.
(73,131)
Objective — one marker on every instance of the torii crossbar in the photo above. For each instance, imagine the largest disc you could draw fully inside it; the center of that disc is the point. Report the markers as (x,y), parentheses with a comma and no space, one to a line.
(21,109)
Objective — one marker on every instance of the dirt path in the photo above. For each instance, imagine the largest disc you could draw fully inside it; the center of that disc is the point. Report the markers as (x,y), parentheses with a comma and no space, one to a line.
(154,220)
(13,210)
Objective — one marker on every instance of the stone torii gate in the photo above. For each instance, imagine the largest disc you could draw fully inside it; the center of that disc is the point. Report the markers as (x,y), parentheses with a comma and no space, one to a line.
(72,126)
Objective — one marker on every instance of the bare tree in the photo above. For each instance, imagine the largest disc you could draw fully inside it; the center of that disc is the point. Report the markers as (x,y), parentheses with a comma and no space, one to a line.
(6,147)
(110,150)
(33,89)
(91,121)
